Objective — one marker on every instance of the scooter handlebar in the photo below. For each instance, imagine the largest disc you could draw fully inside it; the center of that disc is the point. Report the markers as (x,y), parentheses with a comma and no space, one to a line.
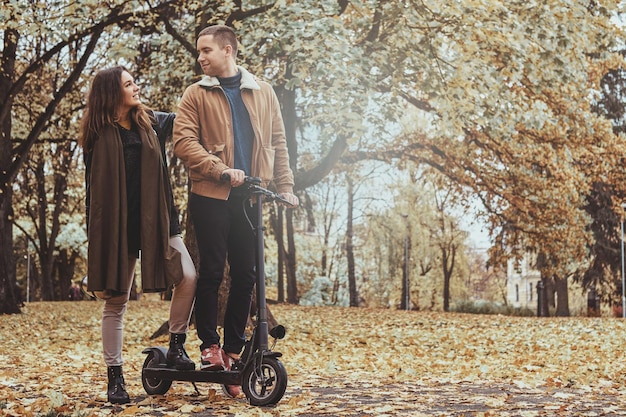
(254,187)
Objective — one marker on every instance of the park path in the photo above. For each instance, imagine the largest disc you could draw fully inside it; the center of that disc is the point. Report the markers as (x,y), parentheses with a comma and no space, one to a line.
(462,399)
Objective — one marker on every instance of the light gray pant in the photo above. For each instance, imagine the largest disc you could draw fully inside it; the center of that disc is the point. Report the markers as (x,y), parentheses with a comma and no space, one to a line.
(180,307)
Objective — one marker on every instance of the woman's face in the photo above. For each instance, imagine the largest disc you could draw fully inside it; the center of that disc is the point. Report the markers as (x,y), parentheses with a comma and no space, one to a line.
(130,93)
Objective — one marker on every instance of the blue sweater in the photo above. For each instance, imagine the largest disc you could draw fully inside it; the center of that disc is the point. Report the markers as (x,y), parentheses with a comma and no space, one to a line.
(242,127)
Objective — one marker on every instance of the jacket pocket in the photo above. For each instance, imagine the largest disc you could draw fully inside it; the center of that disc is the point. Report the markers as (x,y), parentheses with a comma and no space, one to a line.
(212,149)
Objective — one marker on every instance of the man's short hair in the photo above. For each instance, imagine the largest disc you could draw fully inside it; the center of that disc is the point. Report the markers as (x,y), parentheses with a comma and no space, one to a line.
(223,35)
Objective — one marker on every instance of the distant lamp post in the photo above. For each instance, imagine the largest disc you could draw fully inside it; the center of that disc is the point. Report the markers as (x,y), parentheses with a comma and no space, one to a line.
(28,273)
(623,280)
(407,296)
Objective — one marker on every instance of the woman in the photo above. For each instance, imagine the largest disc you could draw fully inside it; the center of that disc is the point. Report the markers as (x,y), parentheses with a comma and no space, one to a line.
(130,210)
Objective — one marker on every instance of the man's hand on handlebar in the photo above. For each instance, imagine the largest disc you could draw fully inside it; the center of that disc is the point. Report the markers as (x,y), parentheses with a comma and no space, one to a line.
(237,176)
(292,199)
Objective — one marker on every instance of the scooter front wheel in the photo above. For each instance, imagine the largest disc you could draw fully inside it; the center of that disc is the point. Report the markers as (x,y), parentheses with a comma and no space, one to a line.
(154,386)
(265,383)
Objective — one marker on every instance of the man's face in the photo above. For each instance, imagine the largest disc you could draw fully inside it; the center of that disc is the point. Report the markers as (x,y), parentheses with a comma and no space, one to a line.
(213,59)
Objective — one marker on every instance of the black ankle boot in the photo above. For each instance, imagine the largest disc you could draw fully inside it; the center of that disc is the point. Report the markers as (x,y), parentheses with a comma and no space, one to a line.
(116,389)
(176,354)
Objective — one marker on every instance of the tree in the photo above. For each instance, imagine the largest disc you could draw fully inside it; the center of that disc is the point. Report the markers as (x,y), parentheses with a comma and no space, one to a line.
(496,97)
(506,92)
(321,247)
(604,270)
(46,40)
(352,288)
(283,53)
(14,153)
(417,218)
(146,20)
(405,298)
(44,211)
(485,282)
(449,239)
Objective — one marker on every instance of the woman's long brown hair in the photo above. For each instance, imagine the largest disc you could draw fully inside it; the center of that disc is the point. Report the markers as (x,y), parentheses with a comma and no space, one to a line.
(103,101)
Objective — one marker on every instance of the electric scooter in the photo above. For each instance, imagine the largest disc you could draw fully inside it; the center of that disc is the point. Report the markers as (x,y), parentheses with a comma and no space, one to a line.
(260,373)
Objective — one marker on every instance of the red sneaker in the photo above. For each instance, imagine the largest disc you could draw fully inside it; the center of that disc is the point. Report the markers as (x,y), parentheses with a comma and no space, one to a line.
(232,391)
(211,358)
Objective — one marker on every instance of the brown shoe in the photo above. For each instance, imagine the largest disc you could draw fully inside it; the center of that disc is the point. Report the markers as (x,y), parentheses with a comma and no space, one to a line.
(211,358)
(232,391)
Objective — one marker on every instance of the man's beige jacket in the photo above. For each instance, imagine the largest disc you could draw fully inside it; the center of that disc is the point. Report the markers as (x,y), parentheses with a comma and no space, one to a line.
(203,135)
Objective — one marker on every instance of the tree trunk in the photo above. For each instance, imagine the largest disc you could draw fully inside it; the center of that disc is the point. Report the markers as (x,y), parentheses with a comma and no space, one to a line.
(550,293)
(64,265)
(9,299)
(46,260)
(277,217)
(287,98)
(562,297)
(406,286)
(35,281)
(292,281)
(448,256)
(354,296)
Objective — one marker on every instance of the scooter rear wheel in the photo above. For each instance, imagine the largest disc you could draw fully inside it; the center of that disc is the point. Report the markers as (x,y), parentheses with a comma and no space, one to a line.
(265,383)
(154,386)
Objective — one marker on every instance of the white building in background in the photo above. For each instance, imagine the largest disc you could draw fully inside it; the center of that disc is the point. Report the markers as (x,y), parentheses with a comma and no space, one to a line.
(521,283)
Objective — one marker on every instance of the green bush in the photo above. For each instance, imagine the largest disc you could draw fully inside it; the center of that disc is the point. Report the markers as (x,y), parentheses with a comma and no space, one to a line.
(487,307)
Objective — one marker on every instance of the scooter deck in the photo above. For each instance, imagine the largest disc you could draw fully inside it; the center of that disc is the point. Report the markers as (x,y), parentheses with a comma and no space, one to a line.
(169,374)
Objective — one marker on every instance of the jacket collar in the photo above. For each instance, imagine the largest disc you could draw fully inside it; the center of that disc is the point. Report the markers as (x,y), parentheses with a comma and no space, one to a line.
(247,80)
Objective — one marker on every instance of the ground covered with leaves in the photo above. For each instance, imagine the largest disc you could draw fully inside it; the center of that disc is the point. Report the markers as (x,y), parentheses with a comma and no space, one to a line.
(340,362)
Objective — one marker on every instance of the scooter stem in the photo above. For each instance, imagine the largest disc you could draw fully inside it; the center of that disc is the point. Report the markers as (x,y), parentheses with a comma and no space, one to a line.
(262,328)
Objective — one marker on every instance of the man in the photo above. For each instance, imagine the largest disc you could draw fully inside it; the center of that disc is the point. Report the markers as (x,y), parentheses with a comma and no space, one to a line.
(227,123)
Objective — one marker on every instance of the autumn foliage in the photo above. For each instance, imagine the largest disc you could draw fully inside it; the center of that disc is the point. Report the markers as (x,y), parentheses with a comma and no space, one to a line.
(340,361)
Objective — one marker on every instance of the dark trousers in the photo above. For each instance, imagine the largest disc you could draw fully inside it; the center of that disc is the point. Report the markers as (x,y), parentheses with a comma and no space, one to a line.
(222,229)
